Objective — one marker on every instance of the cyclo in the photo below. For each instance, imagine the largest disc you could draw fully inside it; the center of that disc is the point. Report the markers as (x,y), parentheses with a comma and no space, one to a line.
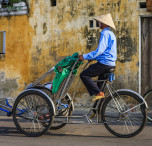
(38,108)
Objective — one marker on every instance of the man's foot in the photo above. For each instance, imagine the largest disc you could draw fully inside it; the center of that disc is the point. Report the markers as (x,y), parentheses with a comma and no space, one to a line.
(98,96)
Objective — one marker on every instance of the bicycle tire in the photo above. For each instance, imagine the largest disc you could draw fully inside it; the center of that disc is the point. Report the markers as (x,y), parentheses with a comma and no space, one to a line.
(133,122)
(34,113)
(148,98)
(48,92)
(59,126)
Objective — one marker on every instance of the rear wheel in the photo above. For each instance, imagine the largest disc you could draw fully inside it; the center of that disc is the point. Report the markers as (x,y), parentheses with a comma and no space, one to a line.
(148,97)
(124,115)
(64,111)
(33,113)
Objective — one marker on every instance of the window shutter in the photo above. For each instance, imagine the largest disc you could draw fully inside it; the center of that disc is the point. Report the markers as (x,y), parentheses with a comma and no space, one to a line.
(149,5)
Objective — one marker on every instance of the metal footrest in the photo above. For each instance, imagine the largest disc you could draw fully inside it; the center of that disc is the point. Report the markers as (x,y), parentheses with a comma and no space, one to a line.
(70,116)
(81,119)
(69,119)
(82,122)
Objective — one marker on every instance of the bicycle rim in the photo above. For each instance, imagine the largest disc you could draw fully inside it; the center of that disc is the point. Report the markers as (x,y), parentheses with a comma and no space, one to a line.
(125,116)
(32,114)
(148,98)
(63,111)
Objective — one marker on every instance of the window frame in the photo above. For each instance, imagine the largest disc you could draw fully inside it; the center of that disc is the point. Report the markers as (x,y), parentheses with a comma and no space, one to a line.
(97,24)
(142,5)
(52,3)
(94,22)
(91,24)
(4,41)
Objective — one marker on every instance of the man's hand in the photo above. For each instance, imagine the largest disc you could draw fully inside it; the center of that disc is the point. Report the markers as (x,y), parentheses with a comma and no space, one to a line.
(81,58)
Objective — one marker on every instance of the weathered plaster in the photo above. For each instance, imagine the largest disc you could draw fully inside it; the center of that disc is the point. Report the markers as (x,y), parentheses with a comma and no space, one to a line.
(36,42)
(15,64)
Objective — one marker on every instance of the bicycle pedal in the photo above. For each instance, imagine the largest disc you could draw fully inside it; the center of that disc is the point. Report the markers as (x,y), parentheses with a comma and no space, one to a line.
(90,120)
(92,115)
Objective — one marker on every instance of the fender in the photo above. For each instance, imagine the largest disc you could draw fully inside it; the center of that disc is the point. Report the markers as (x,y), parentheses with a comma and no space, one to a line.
(72,104)
(33,89)
(30,86)
(128,90)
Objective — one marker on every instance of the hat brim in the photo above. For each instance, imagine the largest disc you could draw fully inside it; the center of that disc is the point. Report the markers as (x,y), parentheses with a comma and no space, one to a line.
(106,20)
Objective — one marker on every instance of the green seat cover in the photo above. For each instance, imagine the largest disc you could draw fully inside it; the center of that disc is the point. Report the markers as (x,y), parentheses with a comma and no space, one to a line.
(66,64)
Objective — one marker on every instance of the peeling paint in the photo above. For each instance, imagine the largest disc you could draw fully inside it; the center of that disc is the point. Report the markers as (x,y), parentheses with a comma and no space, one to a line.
(44,28)
(7,85)
(36,42)
(92,38)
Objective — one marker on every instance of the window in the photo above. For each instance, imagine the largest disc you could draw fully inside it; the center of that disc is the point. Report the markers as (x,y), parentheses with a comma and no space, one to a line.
(53,3)
(142,5)
(97,23)
(91,23)
(13,7)
(2,42)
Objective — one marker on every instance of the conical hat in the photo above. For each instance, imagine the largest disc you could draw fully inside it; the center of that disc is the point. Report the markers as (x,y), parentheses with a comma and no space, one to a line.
(106,19)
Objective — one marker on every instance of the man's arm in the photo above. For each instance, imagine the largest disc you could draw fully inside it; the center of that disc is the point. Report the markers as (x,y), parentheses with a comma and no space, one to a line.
(103,44)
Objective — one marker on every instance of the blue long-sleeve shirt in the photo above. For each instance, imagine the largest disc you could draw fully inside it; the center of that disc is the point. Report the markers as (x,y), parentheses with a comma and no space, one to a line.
(106,53)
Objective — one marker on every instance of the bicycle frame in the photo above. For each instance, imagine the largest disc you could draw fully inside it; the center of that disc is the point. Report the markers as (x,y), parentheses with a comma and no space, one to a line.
(5,107)
(9,107)
(111,92)
(99,103)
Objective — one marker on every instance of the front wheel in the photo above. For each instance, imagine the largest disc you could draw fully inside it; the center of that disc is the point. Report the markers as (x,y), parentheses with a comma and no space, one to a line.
(124,114)
(148,97)
(33,113)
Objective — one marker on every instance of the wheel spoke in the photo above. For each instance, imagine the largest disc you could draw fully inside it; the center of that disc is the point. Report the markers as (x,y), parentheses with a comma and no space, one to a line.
(148,98)
(32,114)
(131,118)
(135,121)
(126,126)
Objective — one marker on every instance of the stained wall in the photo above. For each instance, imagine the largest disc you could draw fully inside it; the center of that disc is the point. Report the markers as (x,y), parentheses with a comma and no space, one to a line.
(37,41)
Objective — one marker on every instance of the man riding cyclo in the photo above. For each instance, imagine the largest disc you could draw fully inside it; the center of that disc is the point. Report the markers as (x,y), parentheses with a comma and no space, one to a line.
(105,54)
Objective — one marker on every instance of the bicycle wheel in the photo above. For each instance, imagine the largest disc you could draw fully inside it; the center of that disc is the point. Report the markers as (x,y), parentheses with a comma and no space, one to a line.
(148,97)
(33,113)
(124,115)
(64,111)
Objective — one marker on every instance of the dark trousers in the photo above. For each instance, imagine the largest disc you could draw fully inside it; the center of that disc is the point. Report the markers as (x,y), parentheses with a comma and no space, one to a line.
(94,70)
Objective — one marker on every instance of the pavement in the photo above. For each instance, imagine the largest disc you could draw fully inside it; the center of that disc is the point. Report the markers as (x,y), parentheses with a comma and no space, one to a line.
(71,135)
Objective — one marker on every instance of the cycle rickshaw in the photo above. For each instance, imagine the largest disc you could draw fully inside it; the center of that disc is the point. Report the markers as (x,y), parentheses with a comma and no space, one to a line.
(44,106)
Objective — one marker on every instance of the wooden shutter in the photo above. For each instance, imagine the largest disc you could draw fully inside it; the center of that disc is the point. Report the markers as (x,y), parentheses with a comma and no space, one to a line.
(146,54)
(149,5)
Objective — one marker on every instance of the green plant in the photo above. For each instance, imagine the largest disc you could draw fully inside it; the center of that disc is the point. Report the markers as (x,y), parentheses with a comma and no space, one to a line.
(9,8)
(10,5)
(16,1)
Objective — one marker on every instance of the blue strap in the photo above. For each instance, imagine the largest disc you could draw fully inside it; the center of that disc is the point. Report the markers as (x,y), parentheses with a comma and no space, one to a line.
(62,105)
(111,76)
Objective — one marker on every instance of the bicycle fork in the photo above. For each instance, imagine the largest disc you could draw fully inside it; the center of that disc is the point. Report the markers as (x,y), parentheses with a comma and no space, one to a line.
(114,99)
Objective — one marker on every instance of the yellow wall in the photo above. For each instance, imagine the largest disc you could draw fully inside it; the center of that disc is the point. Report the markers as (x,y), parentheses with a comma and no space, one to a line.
(37,41)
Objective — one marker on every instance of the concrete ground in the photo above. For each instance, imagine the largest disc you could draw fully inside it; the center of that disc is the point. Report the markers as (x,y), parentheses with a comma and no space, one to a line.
(71,135)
